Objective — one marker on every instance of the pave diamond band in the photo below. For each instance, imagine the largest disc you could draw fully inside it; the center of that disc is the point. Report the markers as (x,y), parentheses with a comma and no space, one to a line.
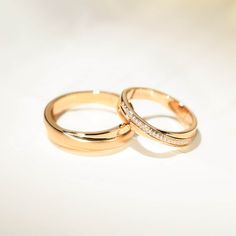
(142,127)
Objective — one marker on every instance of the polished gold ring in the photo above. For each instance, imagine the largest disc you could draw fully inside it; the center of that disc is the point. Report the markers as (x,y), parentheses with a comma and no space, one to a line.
(84,141)
(142,127)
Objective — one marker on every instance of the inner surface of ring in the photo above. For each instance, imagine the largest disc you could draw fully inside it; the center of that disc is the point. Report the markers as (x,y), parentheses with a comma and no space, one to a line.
(70,101)
(185,117)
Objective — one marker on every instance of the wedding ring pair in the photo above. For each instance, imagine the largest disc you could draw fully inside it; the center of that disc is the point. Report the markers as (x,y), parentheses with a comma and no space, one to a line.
(132,122)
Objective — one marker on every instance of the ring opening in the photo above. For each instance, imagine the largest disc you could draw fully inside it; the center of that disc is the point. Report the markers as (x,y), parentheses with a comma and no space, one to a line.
(184,115)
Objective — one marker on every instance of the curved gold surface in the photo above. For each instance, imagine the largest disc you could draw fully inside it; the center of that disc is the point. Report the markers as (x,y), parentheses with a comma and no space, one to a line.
(142,127)
(84,141)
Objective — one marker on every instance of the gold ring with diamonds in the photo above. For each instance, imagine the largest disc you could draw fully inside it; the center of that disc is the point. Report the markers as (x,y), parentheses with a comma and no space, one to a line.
(142,127)
(84,141)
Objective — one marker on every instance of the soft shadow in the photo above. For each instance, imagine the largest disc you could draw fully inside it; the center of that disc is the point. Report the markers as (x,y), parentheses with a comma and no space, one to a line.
(136,145)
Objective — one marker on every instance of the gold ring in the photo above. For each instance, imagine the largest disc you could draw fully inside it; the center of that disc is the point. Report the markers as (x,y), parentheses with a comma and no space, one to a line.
(142,127)
(84,141)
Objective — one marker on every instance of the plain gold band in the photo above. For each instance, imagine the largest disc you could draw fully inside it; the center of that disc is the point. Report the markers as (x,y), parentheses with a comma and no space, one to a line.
(84,141)
(142,127)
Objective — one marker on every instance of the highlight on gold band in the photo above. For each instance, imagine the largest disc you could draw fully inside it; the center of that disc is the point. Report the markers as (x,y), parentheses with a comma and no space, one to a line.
(84,141)
(142,127)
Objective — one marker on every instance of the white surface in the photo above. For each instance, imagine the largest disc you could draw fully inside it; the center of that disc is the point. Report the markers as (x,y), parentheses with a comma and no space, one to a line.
(186,48)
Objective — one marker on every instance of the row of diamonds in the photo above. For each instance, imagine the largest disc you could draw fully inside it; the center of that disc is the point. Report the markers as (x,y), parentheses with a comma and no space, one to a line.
(149,130)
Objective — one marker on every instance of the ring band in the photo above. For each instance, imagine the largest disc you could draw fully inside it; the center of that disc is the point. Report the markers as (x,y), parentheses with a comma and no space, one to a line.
(142,127)
(84,141)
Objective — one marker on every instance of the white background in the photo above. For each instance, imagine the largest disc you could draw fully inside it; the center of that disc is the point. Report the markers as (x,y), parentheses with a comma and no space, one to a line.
(186,48)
